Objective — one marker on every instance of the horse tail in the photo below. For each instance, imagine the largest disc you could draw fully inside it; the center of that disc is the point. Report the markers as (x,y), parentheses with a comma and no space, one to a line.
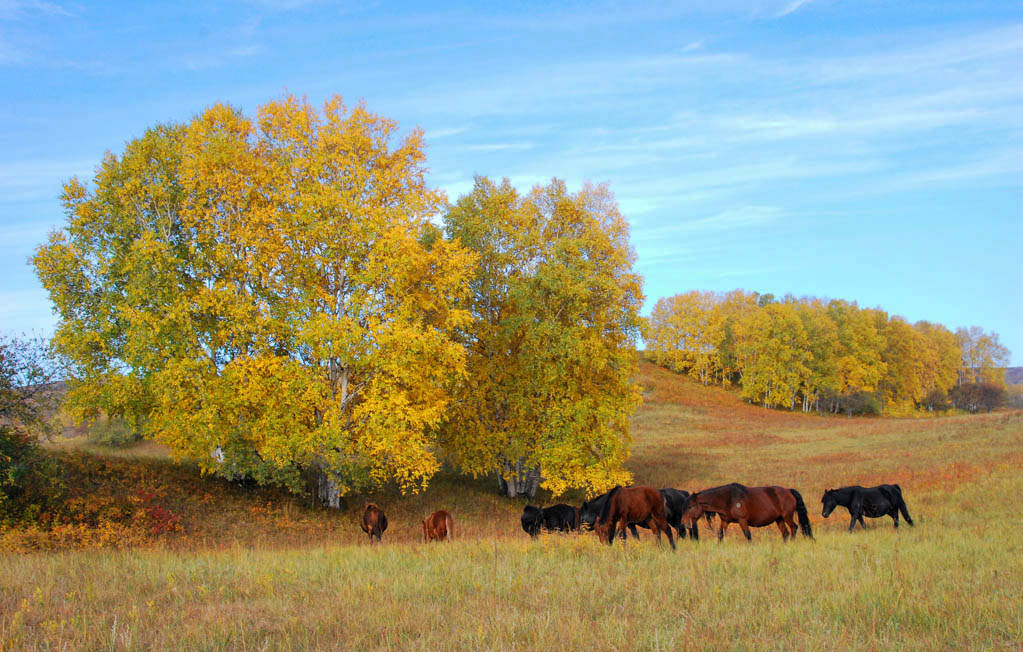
(804,520)
(450,522)
(901,503)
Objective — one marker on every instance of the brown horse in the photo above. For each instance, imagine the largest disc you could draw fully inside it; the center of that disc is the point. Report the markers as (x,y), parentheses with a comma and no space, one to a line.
(628,505)
(439,526)
(374,522)
(750,506)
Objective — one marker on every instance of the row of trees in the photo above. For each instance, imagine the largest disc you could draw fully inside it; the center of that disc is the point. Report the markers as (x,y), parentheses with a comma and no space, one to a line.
(272,297)
(825,356)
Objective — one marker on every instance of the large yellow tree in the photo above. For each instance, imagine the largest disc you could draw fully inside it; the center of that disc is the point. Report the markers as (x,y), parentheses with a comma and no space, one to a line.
(550,387)
(264,295)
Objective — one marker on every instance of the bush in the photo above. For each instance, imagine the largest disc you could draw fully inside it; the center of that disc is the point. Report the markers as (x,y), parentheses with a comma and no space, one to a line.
(28,477)
(1014,397)
(112,431)
(974,397)
(937,400)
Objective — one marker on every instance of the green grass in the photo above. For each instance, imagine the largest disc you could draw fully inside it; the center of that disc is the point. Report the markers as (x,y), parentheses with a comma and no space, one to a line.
(260,570)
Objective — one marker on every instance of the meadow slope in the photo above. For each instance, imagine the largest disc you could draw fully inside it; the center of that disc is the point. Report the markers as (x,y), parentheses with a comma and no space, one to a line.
(255,569)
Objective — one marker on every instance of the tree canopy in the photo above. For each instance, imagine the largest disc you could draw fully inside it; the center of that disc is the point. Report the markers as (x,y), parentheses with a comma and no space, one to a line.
(551,348)
(263,294)
(817,355)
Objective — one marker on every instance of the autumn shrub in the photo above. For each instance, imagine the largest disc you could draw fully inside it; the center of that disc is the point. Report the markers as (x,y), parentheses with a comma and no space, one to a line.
(937,400)
(976,397)
(112,431)
(1014,397)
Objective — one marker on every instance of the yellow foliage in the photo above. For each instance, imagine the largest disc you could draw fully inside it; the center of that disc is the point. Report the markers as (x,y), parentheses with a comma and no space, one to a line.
(266,288)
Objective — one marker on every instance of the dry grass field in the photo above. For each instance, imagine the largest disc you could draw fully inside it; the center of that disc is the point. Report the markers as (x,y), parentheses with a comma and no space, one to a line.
(153,556)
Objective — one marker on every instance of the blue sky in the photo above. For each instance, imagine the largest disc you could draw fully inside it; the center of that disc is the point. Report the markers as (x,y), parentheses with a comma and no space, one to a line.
(868,150)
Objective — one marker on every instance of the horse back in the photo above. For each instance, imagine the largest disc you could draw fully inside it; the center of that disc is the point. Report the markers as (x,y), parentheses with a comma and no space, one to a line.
(635,504)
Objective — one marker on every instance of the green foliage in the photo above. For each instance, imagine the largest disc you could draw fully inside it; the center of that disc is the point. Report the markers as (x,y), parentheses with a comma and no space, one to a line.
(549,389)
(112,431)
(28,476)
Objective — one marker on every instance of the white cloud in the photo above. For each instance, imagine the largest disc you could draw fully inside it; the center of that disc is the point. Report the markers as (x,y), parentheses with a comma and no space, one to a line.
(40,179)
(791,7)
(12,9)
(740,217)
(496,147)
(436,134)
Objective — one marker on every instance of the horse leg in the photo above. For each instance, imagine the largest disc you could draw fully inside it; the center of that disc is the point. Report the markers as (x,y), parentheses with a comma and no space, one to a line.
(784,529)
(792,525)
(632,528)
(863,523)
(745,530)
(895,516)
(667,529)
(721,530)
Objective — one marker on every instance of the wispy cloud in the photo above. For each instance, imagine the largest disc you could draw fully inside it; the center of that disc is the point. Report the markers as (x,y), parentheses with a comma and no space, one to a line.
(740,217)
(496,147)
(434,134)
(32,180)
(12,9)
(791,7)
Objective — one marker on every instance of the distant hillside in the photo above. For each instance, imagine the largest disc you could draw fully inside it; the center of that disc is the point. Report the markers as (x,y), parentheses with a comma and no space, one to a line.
(1014,375)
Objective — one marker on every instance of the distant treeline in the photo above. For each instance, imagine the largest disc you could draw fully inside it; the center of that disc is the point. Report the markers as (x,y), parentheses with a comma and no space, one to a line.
(826,356)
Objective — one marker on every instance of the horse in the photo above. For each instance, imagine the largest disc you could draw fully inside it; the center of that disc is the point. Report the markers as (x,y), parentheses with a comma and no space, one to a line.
(750,506)
(590,511)
(674,508)
(374,522)
(875,502)
(439,526)
(556,518)
(633,505)
(674,505)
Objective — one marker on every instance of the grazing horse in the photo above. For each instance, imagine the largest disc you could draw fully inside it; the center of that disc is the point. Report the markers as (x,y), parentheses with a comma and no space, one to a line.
(439,526)
(590,511)
(674,505)
(633,505)
(556,518)
(882,500)
(374,522)
(751,506)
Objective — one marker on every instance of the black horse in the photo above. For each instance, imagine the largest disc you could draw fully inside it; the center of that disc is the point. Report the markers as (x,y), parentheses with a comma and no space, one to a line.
(882,500)
(556,518)
(674,506)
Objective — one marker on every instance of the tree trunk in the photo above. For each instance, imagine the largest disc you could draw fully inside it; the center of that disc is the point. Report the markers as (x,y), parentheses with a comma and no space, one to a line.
(520,481)
(327,490)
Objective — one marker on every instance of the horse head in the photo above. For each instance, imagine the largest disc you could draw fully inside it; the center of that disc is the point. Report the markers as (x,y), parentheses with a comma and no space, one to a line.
(830,502)
(692,509)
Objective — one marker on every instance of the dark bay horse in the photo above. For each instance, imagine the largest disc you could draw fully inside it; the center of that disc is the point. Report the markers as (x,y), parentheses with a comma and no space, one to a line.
(438,526)
(674,505)
(374,522)
(556,518)
(882,500)
(750,506)
(633,505)
(590,511)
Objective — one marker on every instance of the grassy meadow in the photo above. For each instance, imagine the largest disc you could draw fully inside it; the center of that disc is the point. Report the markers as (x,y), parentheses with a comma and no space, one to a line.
(162,558)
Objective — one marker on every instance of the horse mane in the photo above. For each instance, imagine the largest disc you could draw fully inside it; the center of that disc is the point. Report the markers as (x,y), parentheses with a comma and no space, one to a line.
(605,511)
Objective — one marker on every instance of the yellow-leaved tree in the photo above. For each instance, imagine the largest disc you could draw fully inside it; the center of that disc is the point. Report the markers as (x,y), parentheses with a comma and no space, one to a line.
(550,387)
(265,295)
